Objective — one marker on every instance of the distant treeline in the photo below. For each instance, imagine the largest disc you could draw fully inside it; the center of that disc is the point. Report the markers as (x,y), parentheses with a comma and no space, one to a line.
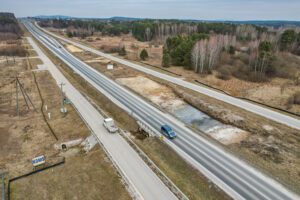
(9,27)
(147,30)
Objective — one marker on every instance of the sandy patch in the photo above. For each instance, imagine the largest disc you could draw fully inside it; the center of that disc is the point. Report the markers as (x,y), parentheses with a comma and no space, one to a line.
(156,93)
(101,60)
(73,49)
(229,135)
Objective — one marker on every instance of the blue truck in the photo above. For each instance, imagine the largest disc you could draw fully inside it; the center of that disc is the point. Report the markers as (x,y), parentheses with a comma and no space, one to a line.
(168,132)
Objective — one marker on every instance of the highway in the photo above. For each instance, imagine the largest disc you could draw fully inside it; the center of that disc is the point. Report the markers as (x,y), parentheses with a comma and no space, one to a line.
(265,112)
(235,177)
(143,182)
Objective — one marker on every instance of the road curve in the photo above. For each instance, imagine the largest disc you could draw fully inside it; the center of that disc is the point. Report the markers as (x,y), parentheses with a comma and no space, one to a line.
(265,112)
(235,177)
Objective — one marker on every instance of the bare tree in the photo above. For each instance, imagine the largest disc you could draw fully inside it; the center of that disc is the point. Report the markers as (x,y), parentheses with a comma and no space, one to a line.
(148,34)
(195,56)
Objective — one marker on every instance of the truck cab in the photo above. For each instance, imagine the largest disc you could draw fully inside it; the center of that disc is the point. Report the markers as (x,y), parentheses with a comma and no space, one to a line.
(168,132)
(110,125)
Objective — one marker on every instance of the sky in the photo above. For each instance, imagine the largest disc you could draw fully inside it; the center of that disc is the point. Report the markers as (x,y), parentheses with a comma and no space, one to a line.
(162,9)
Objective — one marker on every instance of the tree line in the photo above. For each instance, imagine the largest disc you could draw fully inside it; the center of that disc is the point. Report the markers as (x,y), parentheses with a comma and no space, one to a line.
(206,52)
(9,27)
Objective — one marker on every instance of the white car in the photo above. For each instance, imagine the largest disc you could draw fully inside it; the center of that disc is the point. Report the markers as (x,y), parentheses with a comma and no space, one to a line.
(110,125)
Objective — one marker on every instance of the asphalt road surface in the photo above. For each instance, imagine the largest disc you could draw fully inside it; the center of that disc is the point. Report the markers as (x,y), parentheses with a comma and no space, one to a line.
(144,182)
(235,177)
(265,112)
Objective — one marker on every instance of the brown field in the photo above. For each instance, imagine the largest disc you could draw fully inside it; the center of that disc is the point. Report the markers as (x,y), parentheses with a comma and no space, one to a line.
(27,136)
(133,47)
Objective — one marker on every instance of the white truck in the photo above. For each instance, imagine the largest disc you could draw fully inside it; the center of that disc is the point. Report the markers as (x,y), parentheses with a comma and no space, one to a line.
(110,125)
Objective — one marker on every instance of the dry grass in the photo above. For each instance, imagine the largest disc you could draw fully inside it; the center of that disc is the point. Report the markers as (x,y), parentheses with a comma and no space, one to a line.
(124,120)
(133,47)
(83,176)
(73,48)
(27,136)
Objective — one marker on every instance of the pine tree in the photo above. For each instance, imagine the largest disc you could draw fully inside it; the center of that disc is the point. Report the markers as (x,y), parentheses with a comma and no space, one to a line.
(144,54)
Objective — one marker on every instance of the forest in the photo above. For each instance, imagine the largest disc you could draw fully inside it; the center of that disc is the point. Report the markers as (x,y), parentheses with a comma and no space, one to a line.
(10,33)
(246,51)
(9,27)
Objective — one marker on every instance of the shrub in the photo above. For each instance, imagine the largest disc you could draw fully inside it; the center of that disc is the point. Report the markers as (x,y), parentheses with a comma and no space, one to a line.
(166,60)
(122,51)
(231,50)
(70,34)
(294,99)
(109,48)
(224,72)
(144,54)
(225,59)
(13,50)
(297,98)
(257,77)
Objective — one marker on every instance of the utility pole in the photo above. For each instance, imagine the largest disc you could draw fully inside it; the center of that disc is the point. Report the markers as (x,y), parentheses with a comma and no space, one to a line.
(22,88)
(23,93)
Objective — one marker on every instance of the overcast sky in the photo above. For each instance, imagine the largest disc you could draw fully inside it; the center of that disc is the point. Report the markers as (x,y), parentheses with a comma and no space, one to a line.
(183,9)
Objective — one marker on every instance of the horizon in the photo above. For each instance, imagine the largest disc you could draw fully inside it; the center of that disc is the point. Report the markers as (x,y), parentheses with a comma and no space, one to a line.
(249,20)
(216,10)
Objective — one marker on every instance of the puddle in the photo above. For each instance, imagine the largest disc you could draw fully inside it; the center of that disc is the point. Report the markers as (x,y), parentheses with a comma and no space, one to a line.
(225,134)
(192,116)
(166,99)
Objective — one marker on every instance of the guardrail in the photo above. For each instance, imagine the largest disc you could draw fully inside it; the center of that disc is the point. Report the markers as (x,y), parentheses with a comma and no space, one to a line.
(140,151)
(243,98)
(161,69)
